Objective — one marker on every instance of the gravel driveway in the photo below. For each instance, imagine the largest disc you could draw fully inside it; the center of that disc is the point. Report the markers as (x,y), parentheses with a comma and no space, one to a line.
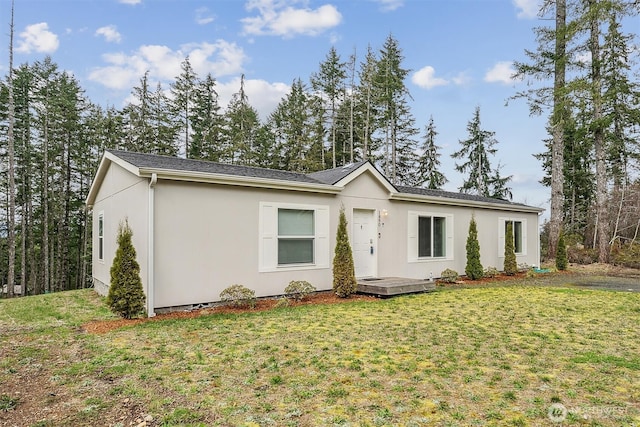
(611,283)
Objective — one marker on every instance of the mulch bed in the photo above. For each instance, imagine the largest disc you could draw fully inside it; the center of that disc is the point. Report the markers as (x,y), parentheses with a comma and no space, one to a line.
(104,326)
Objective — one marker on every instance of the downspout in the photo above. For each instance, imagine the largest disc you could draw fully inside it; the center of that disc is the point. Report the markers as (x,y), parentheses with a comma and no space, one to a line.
(538,238)
(150,247)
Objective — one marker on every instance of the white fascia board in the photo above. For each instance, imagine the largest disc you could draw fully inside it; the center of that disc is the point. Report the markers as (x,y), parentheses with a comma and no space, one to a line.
(243,181)
(464,203)
(106,160)
(362,169)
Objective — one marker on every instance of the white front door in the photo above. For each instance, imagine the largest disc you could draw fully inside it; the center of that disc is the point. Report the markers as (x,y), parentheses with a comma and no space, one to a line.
(364,243)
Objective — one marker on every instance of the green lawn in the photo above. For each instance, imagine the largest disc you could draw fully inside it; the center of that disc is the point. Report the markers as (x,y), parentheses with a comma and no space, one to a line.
(484,356)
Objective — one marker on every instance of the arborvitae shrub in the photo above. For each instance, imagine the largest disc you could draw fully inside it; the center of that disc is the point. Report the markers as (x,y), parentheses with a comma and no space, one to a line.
(126,296)
(561,253)
(238,296)
(449,276)
(299,289)
(344,276)
(473,269)
(510,263)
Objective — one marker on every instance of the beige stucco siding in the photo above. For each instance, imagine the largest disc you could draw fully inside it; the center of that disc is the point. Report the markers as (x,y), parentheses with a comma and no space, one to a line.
(207,238)
(121,195)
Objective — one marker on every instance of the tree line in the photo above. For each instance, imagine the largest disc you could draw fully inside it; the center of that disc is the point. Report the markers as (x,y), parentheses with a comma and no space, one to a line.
(52,137)
(584,74)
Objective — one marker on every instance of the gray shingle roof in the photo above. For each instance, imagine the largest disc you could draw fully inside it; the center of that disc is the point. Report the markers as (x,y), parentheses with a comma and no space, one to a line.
(331,176)
(452,195)
(328,176)
(154,161)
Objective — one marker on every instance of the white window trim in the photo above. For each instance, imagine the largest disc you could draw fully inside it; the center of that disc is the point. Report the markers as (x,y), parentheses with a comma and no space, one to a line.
(501,235)
(268,237)
(412,237)
(100,238)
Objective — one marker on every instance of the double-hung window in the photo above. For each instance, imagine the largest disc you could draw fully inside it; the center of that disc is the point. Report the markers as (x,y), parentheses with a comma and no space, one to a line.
(432,236)
(293,236)
(517,234)
(296,236)
(101,236)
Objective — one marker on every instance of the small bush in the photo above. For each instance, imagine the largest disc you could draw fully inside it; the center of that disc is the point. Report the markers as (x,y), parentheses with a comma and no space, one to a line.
(510,262)
(473,269)
(282,303)
(578,254)
(299,289)
(344,276)
(491,272)
(449,276)
(238,296)
(561,253)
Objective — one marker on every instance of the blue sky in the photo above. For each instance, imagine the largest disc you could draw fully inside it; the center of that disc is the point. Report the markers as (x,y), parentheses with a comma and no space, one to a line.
(459,52)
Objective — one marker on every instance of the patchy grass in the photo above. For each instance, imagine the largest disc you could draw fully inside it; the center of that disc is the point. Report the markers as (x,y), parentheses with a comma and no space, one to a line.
(474,356)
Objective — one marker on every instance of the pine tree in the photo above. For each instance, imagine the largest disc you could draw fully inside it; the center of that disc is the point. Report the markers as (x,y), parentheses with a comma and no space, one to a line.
(476,149)
(561,253)
(473,269)
(510,263)
(344,276)
(182,103)
(241,125)
(207,122)
(328,82)
(429,175)
(126,296)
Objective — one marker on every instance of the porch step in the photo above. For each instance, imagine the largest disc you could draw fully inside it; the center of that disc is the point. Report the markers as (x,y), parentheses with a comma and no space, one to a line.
(390,286)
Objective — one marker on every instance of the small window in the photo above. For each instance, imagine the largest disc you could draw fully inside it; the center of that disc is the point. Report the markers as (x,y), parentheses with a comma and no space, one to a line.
(432,237)
(101,236)
(296,235)
(517,234)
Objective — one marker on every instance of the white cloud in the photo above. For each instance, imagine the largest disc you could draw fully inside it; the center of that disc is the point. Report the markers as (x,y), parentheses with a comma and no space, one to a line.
(527,9)
(130,1)
(204,16)
(220,59)
(426,79)
(501,72)
(279,18)
(110,33)
(461,79)
(37,38)
(263,96)
(389,5)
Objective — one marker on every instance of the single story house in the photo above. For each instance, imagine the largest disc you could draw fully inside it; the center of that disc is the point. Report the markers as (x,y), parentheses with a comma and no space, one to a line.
(199,226)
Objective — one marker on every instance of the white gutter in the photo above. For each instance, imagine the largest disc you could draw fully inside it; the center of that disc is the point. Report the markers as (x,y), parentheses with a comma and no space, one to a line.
(150,247)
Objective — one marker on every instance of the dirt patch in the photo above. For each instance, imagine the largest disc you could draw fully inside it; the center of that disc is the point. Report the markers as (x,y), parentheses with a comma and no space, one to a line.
(104,326)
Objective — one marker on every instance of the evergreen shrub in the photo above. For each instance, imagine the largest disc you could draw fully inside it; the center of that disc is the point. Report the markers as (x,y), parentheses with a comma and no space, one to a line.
(473,269)
(449,276)
(510,262)
(126,296)
(299,289)
(344,276)
(238,296)
(561,253)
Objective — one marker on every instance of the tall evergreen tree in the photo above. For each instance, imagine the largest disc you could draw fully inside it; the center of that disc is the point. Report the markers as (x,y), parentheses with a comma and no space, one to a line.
(242,123)
(481,178)
(183,99)
(329,83)
(429,174)
(397,122)
(207,122)
(510,262)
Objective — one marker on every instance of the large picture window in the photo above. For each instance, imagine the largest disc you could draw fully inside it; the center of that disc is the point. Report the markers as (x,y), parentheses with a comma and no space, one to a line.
(432,236)
(296,231)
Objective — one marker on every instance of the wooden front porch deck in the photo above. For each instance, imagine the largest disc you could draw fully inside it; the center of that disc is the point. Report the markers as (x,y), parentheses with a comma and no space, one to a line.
(391,286)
